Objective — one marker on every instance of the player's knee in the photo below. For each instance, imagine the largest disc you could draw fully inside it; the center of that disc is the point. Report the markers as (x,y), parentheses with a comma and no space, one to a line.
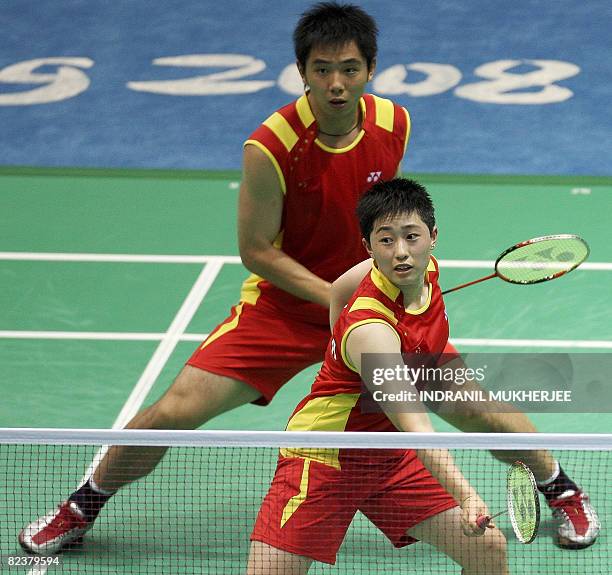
(491,555)
(497,547)
(163,416)
(175,410)
(467,418)
(474,418)
(195,397)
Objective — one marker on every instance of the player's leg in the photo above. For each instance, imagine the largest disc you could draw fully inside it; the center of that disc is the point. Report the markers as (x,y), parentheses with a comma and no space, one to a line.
(252,345)
(487,418)
(303,517)
(267,560)
(470,417)
(247,358)
(410,504)
(485,555)
(195,397)
(579,524)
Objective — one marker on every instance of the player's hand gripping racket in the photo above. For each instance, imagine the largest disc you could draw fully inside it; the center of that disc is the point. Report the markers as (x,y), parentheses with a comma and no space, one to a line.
(537,260)
(523,503)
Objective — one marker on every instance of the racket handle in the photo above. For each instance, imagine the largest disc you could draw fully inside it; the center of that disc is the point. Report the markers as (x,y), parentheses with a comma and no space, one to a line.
(484,520)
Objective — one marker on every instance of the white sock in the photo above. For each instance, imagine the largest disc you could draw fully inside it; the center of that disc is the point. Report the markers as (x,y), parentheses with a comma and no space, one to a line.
(97,489)
(552,477)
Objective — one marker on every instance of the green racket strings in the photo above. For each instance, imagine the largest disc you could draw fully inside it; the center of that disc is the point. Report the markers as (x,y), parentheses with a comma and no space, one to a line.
(523,504)
(542,260)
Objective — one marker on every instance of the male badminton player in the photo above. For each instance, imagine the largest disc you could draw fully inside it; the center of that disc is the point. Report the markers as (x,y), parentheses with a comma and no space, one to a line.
(304,169)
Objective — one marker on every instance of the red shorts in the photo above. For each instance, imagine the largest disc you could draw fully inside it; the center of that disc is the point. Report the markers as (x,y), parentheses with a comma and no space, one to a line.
(310,505)
(261,346)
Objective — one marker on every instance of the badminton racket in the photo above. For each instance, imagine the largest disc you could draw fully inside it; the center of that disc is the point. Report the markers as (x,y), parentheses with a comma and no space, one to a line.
(523,505)
(537,260)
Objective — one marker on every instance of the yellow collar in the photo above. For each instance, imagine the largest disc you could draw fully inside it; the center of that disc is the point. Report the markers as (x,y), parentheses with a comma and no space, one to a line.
(307,117)
(384,284)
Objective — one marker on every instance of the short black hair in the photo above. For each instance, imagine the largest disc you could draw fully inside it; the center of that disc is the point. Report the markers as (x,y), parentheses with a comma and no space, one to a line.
(387,199)
(331,24)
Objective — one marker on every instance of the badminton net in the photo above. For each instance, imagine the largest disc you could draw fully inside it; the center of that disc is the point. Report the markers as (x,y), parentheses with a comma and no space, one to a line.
(195,512)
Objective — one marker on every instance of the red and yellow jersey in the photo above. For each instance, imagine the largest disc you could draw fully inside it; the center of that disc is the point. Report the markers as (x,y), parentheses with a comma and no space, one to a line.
(322,186)
(334,400)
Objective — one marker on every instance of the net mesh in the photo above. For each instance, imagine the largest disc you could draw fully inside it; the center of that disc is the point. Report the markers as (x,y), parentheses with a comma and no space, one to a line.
(535,262)
(195,512)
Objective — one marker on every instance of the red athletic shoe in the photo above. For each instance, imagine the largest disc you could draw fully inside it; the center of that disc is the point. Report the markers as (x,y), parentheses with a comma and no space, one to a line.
(580,525)
(50,534)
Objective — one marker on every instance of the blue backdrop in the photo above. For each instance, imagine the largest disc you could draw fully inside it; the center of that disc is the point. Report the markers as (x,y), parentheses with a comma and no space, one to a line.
(492,86)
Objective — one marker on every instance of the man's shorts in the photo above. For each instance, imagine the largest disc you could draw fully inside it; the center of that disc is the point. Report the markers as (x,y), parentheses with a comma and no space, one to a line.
(310,505)
(262,347)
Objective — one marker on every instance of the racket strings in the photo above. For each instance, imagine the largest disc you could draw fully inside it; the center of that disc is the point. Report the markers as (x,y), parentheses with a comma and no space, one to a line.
(523,503)
(541,260)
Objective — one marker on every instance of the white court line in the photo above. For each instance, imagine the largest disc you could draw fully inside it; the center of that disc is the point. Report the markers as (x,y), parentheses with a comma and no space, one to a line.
(483,264)
(561,343)
(116,258)
(81,335)
(197,337)
(170,340)
(187,259)
(157,362)
(164,350)
(96,335)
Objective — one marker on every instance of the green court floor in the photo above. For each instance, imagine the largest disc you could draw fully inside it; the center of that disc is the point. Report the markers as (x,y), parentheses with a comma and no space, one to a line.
(128,214)
(98,269)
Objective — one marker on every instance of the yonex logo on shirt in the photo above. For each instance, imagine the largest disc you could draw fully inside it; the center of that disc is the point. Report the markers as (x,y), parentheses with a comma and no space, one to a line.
(374,177)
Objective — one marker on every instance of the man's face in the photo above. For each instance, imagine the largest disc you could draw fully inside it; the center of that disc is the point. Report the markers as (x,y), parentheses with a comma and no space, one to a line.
(337,78)
(401,246)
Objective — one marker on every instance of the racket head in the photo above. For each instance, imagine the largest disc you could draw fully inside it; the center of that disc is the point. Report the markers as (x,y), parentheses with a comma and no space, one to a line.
(523,502)
(541,259)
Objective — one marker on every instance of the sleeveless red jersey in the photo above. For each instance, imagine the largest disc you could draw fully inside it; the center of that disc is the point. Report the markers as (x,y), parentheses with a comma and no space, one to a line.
(322,186)
(333,402)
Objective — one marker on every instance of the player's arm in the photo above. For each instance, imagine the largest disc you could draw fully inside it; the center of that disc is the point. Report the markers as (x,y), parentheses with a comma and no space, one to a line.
(381,339)
(342,289)
(260,209)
